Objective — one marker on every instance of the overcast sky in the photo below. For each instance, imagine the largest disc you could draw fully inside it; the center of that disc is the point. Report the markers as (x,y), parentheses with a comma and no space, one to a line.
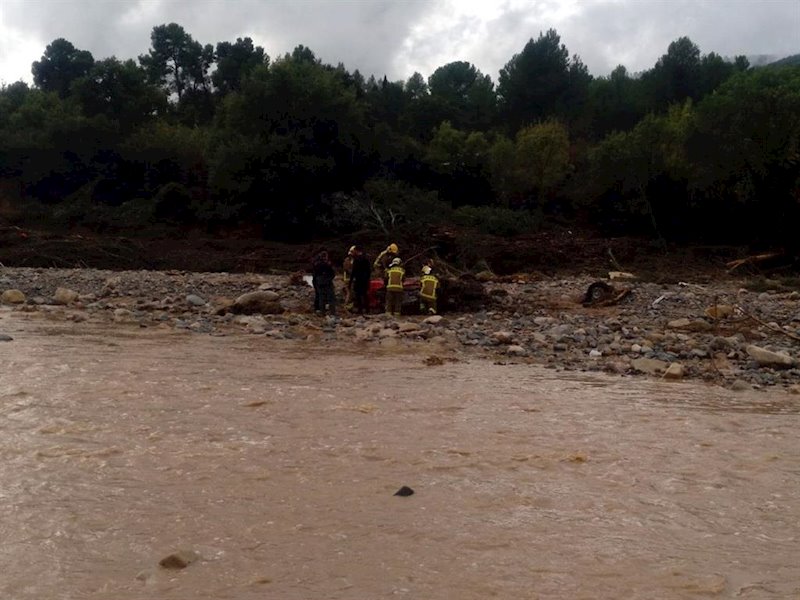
(398,37)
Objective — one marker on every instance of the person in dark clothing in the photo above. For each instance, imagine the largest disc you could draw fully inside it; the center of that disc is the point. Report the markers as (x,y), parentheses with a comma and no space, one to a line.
(314,260)
(359,280)
(322,280)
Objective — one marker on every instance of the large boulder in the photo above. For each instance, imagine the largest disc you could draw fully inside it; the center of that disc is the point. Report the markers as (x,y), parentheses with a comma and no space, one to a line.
(674,371)
(195,300)
(768,358)
(12,297)
(651,366)
(260,302)
(65,296)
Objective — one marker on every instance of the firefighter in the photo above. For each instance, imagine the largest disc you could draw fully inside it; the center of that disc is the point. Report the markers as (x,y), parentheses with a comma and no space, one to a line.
(347,274)
(394,287)
(428,288)
(385,258)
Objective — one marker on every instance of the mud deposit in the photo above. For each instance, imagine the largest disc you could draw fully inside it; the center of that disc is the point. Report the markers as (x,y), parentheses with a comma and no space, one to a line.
(273,464)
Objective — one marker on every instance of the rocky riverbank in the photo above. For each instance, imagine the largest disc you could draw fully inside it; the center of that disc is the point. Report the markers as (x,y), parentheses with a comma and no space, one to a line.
(720,332)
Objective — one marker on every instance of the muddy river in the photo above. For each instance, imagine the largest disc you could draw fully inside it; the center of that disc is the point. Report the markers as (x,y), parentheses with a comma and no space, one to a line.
(276,462)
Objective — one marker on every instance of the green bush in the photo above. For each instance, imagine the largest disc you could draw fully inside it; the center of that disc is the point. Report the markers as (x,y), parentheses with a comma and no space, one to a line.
(497,221)
(173,202)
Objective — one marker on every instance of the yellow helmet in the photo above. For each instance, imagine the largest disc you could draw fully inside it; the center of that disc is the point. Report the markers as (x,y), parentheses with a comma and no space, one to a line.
(393,248)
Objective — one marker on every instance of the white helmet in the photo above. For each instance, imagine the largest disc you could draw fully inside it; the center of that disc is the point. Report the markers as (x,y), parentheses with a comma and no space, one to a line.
(395,262)
(426,270)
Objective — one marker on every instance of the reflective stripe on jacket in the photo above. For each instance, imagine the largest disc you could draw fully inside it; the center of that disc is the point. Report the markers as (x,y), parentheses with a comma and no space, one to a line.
(428,286)
(394,279)
(347,268)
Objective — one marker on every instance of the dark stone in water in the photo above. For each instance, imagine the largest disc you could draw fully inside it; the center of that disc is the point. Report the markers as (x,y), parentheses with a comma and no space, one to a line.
(179,560)
(404,491)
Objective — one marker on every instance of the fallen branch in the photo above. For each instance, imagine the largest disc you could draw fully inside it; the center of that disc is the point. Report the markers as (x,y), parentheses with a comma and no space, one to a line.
(751,260)
(614,262)
(767,325)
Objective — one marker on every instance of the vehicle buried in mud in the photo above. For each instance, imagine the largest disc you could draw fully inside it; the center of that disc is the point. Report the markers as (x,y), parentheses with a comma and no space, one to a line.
(456,294)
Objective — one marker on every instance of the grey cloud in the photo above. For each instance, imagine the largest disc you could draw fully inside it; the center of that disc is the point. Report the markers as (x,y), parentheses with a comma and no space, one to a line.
(396,37)
(363,35)
(636,34)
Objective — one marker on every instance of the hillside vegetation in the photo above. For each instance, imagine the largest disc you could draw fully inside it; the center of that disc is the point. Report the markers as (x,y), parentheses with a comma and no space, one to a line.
(224,136)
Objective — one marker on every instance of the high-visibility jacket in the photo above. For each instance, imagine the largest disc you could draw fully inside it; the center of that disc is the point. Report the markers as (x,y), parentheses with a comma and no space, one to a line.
(428,284)
(394,279)
(347,269)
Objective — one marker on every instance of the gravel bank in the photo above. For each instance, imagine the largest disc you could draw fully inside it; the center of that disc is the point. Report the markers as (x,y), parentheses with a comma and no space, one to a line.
(719,332)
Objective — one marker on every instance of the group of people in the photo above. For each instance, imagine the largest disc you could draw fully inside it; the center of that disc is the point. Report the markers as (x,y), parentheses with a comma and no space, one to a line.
(357,272)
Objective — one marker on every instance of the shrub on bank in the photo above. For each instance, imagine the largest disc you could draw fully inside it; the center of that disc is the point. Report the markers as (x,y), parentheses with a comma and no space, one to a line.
(496,220)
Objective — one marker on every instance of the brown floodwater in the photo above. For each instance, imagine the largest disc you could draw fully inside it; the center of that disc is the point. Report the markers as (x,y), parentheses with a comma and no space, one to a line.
(277,463)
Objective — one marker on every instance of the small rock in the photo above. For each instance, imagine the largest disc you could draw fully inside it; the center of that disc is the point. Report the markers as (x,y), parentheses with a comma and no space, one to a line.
(768,358)
(122,314)
(721,343)
(12,297)
(503,337)
(408,327)
(6,338)
(689,325)
(636,348)
(195,300)
(65,296)
(113,282)
(795,389)
(179,560)
(719,311)
(674,371)
(146,575)
(679,323)
(433,361)
(433,320)
(387,333)
(363,334)
(539,338)
(595,353)
(740,386)
(404,491)
(516,350)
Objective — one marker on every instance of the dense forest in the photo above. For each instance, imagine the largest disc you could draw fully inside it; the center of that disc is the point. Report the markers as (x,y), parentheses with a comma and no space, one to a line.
(699,147)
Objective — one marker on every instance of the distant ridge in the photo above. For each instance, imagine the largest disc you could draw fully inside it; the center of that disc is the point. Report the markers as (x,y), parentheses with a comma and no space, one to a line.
(793,60)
